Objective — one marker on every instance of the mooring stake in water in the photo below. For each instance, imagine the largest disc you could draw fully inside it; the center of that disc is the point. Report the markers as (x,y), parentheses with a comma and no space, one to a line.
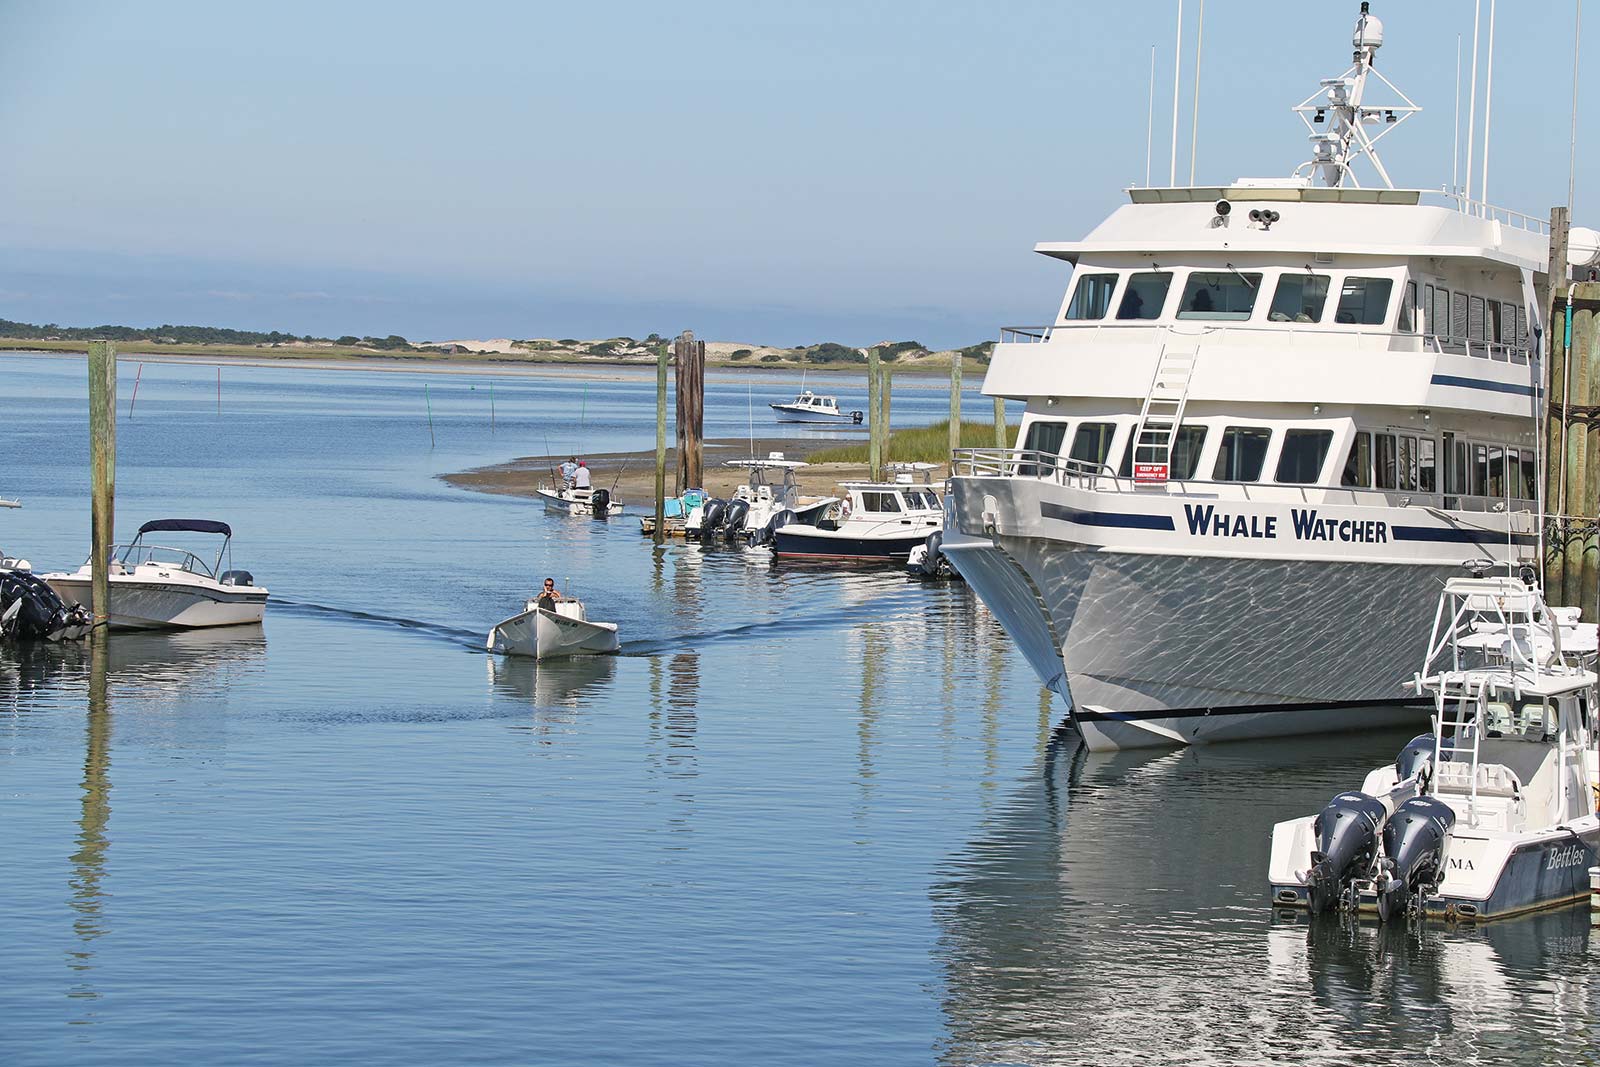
(491,405)
(219,389)
(135,398)
(102,471)
(426,399)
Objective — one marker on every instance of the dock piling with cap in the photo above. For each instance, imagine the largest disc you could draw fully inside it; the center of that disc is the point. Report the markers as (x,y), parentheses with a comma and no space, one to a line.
(102,471)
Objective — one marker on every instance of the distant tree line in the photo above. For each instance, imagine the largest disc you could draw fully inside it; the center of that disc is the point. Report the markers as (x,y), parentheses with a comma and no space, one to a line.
(188,335)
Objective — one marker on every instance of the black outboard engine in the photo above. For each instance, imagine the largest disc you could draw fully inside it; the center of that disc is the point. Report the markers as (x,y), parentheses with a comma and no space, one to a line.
(774,524)
(600,503)
(237,578)
(31,610)
(856,417)
(1417,757)
(1415,841)
(733,518)
(1347,846)
(711,517)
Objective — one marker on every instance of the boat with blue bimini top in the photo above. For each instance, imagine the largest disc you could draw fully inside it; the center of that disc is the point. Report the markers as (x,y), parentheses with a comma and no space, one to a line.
(156,587)
(1269,419)
(1493,813)
(873,522)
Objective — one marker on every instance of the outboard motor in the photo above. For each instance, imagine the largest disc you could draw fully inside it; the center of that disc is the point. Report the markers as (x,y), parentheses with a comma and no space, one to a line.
(600,502)
(1418,757)
(238,578)
(712,517)
(774,524)
(1347,845)
(31,610)
(1415,841)
(733,518)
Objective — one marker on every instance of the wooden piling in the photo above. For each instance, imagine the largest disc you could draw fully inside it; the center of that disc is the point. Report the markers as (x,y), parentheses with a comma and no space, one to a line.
(691,384)
(874,418)
(1585,348)
(1000,434)
(1552,302)
(955,403)
(885,389)
(102,470)
(661,445)
(135,398)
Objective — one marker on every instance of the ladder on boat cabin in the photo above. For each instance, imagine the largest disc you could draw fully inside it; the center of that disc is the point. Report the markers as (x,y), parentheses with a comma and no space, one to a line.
(1456,709)
(1162,414)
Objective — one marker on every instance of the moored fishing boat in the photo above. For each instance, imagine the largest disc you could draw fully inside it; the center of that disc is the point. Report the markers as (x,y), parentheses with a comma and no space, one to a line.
(163,587)
(597,503)
(875,522)
(1493,813)
(810,407)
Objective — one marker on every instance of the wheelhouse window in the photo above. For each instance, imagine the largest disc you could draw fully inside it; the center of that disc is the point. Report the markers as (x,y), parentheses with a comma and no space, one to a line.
(1529,481)
(1300,297)
(1363,301)
(1358,464)
(1300,461)
(1145,296)
(1407,322)
(880,503)
(1398,462)
(1044,437)
(1219,295)
(1092,297)
(1185,461)
(1092,443)
(1241,454)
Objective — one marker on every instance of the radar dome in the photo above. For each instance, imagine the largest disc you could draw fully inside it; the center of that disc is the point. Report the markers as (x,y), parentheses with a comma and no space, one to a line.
(1369,31)
(1583,247)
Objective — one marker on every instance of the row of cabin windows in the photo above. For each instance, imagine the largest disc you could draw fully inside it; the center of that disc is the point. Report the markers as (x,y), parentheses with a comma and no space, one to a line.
(1241,451)
(1231,296)
(1409,462)
(1381,460)
(889,503)
(1302,297)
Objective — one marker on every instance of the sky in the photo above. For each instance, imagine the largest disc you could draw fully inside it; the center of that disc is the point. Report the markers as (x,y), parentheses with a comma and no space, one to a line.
(780,173)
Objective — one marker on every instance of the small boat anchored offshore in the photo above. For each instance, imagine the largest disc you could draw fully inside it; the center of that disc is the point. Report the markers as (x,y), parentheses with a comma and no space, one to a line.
(809,407)
(1493,813)
(545,633)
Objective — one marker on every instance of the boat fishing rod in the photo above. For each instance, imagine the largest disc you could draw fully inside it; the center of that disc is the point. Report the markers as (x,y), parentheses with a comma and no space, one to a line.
(620,472)
(550,462)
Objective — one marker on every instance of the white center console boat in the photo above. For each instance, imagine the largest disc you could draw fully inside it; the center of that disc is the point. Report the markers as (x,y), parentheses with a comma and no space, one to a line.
(160,587)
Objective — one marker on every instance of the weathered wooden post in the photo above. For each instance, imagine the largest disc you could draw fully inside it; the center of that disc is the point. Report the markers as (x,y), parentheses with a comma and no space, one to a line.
(955,404)
(1000,434)
(102,471)
(885,389)
(661,444)
(691,383)
(1553,306)
(874,419)
(1577,474)
(1586,348)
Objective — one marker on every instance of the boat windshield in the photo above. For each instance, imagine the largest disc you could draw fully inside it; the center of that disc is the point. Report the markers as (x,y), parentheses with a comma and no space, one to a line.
(140,553)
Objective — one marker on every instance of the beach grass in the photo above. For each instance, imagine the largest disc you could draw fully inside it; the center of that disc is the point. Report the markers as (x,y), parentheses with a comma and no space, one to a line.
(917,444)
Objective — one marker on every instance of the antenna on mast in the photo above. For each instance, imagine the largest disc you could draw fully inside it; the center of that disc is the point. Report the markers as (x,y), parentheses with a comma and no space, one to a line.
(1455,143)
(1472,99)
(1342,109)
(1572,151)
(1177,72)
(1488,105)
(1194,102)
(1150,117)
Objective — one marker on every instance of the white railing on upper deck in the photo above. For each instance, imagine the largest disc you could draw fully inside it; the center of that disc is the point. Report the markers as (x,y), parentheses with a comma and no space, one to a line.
(1480,209)
(1078,474)
(1281,332)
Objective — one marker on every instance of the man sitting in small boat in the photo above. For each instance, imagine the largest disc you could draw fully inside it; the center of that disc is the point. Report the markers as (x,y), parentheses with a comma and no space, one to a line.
(548,596)
(580,480)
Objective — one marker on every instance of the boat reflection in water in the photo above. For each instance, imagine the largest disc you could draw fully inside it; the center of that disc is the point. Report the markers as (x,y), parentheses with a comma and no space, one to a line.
(1104,915)
(136,661)
(571,682)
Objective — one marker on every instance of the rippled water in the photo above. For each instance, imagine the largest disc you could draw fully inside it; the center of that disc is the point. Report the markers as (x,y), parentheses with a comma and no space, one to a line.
(809,817)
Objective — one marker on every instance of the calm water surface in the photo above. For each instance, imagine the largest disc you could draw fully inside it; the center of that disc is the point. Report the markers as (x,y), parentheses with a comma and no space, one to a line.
(809,817)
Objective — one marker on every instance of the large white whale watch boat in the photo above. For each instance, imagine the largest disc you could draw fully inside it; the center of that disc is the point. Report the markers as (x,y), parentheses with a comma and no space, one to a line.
(1493,813)
(1269,419)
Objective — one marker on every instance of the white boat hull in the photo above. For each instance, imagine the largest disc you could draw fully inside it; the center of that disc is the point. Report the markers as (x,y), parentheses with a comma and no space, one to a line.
(545,635)
(185,602)
(789,413)
(575,505)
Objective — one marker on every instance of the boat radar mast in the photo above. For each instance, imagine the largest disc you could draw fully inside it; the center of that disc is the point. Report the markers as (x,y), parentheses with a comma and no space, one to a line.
(1339,114)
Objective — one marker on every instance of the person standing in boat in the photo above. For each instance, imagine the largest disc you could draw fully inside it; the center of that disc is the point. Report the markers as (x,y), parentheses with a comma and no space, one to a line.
(548,597)
(580,479)
(569,470)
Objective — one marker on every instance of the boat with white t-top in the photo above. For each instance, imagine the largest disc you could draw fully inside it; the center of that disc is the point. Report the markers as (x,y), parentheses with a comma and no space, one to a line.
(758,507)
(157,587)
(874,522)
(1490,815)
(1269,418)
